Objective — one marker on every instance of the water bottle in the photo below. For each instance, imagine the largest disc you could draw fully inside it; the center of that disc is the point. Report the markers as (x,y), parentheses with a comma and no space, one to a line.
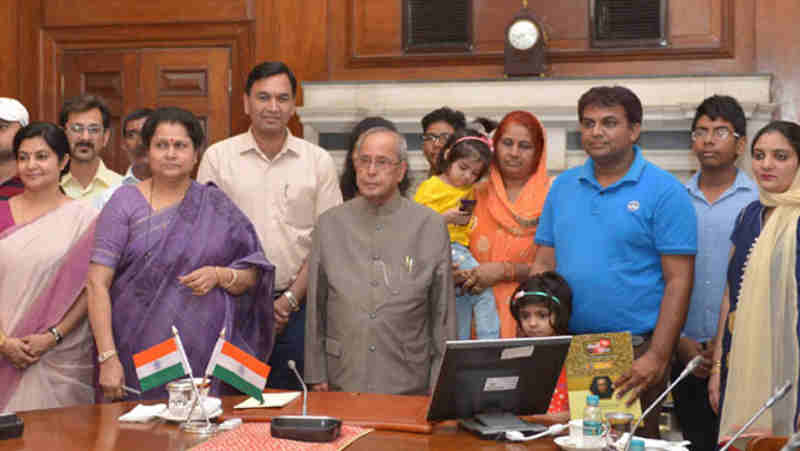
(592,423)
(637,445)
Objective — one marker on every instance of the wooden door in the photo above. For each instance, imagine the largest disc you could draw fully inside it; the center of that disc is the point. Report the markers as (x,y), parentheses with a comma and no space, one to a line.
(114,76)
(197,79)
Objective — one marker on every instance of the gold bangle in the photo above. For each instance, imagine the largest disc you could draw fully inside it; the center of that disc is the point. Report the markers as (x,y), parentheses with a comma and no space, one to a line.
(716,364)
(234,276)
(714,370)
(3,338)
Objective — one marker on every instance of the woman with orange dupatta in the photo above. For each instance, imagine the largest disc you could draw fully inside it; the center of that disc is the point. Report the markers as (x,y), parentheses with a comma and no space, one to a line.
(507,213)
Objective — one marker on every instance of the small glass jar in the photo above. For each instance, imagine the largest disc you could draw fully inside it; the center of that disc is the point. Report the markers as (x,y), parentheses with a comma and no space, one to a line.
(181,395)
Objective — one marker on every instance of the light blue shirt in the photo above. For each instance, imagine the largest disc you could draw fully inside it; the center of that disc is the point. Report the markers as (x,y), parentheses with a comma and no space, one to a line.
(714,227)
(608,242)
(99,200)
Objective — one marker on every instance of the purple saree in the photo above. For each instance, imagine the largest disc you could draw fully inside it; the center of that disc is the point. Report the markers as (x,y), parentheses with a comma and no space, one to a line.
(150,250)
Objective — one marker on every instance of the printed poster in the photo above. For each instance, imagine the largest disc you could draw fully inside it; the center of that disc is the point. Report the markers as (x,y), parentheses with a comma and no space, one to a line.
(594,361)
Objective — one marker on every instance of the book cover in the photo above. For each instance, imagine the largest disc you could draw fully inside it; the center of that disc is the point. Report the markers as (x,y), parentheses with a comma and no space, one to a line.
(594,361)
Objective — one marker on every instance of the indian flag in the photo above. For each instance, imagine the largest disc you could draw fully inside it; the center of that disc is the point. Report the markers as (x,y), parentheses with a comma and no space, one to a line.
(238,368)
(159,364)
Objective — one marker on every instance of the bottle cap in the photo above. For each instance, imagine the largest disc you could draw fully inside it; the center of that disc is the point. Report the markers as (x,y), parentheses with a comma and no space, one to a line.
(592,400)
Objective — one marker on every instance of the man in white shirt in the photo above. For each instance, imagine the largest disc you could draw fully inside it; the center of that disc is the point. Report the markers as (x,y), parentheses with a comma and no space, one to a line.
(282,183)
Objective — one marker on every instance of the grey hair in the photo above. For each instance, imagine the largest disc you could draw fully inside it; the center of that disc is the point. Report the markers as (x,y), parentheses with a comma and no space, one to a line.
(402,145)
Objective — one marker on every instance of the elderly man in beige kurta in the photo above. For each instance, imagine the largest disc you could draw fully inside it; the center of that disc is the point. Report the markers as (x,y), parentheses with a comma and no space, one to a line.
(381,297)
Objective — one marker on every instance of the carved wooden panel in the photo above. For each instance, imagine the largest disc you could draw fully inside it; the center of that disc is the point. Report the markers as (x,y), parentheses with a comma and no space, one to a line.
(111,75)
(698,28)
(60,13)
(195,79)
(183,83)
(105,84)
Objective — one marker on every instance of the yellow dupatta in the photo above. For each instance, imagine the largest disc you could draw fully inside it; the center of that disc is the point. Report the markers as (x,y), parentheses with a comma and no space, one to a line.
(764,349)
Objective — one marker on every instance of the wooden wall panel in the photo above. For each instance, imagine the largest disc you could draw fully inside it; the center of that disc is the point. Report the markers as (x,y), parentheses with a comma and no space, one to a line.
(375,31)
(64,13)
(709,46)
(377,27)
(9,47)
(778,52)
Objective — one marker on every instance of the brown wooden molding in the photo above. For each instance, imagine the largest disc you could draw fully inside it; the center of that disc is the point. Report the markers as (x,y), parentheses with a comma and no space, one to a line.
(63,13)
(238,36)
(553,56)
(715,43)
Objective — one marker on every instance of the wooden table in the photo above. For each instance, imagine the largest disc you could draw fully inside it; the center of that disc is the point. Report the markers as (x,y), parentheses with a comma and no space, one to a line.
(95,427)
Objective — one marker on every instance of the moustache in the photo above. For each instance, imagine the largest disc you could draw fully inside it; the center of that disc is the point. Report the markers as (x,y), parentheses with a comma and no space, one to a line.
(88,144)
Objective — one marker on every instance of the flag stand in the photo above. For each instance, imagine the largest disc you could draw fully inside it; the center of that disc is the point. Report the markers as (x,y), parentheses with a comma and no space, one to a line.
(189,425)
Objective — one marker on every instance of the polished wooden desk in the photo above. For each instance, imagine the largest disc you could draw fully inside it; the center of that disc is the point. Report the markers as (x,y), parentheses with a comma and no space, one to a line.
(95,427)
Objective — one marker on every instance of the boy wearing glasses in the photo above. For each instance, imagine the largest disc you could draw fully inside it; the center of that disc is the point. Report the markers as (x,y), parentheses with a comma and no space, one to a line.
(86,120)
(437,127)
(719,190)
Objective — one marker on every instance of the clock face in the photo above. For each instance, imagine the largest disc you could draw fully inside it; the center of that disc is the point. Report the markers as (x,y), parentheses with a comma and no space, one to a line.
(523,34)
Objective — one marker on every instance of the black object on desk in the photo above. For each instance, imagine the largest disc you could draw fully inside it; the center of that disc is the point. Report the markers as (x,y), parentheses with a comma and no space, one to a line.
(11,426)
(487,384)
(306,428)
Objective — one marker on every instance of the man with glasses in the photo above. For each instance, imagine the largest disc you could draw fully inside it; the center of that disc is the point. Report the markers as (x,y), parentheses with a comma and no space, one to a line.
(87,120)
(13,116)
(719,191)
(381,298)
(282,183)
(437,127)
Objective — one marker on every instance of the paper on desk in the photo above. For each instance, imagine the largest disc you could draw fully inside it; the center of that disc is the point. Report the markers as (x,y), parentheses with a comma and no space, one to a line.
(142,413)
(270,400)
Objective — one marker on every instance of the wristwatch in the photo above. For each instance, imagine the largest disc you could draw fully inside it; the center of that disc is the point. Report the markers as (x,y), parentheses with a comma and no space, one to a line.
(293,304)
(56,334)
(105,355)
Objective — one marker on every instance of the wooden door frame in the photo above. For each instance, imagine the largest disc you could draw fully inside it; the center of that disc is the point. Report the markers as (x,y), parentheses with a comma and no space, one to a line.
(238,36)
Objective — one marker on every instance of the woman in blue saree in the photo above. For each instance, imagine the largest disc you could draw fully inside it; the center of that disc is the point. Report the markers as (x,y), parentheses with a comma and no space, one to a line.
(169,251)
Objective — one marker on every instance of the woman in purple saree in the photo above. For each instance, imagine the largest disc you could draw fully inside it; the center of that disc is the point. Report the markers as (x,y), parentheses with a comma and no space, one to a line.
(169,251)
(45,343)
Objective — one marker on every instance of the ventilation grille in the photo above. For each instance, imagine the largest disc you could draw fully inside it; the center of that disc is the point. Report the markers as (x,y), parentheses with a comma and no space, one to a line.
(437,25)
(629,23)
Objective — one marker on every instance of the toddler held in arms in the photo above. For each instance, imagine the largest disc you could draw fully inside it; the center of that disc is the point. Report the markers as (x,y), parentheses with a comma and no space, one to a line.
(463,162)
(541,306)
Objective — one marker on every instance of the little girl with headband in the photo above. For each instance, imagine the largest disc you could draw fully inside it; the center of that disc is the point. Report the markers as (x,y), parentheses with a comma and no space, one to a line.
(463,162)
(542,306)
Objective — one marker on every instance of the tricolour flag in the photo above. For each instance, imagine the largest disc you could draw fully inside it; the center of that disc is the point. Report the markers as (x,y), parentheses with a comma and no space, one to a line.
(238,368)
(159,364)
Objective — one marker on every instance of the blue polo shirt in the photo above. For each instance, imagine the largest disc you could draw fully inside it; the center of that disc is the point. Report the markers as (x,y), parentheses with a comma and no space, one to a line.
(714,227)
(609,241)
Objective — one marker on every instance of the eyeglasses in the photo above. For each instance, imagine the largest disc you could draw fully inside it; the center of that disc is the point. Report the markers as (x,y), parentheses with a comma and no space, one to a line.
(720,133)
(381,163)
(437,139)
(93,129)
(132,133)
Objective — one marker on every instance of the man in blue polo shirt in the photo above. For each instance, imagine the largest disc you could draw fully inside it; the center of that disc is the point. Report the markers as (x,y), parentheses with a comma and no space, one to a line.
(718,192)
(623,233)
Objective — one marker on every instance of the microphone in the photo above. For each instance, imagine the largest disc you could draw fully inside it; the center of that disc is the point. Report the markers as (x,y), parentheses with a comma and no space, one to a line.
(302,383)
(779,394)
(694,363)
(306,428)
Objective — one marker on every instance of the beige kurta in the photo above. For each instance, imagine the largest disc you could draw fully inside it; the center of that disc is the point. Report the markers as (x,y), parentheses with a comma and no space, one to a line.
(381,299)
